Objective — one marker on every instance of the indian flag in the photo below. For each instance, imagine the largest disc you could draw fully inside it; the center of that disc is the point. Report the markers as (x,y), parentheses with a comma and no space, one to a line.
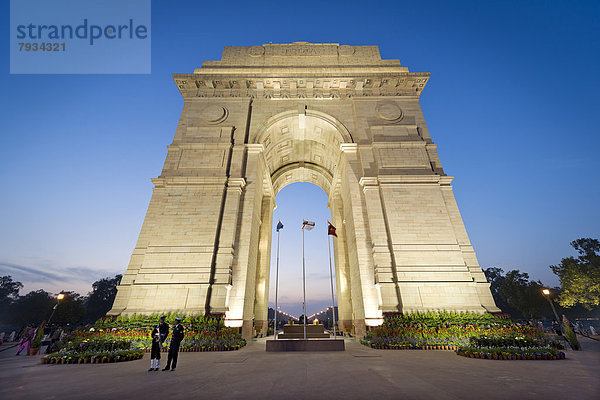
(308,225)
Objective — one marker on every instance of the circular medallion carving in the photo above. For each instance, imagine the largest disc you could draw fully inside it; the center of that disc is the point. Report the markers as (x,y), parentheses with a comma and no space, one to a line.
(388,111)
(214,114)
(345,50)
(256,51)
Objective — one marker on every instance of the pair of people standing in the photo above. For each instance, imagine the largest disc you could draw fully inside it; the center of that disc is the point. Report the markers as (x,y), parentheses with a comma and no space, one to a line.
(25,342)
(159,335)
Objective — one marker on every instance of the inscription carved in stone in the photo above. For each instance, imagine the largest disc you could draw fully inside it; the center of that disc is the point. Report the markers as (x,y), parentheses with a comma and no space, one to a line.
(301,50)
(256,51)
(345,50)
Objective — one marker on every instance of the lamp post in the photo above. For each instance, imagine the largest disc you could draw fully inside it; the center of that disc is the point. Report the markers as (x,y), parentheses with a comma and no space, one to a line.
(59,297)
(546,293)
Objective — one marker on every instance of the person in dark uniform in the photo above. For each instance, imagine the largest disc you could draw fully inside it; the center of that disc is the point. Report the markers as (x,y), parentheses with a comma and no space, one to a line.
(176,338)
(159,334)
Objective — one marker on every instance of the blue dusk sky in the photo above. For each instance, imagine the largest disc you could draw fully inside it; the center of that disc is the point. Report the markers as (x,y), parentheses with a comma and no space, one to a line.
(513,103)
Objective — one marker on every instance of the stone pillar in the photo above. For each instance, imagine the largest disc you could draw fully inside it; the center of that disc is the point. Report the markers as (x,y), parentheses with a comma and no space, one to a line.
(242,295)
(385,267)
(365,303)
(222,275)
(261,305)
(342,270)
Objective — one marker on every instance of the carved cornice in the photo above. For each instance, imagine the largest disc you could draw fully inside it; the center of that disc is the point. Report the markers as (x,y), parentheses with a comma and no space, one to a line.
(399,84)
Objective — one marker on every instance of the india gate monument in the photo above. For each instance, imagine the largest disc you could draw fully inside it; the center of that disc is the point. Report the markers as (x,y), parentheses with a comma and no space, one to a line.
(334,115)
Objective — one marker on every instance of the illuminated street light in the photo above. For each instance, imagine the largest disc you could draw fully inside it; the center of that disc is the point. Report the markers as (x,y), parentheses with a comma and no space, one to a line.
(59,297)
(546,293)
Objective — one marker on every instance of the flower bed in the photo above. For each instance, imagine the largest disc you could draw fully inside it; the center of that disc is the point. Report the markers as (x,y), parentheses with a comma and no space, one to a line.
(202,333)
(471,335)
(86,351)
(511,348)
(405,343)
(92,357)
(511,353)
(127,338)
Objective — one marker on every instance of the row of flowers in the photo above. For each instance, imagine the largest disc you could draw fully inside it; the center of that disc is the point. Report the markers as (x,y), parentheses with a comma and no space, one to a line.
(447,331)
(471,335)
(92,357)
(513,341)
(405,344)
(433,318)
(224,339)
(511,353)
(210,322)
(114,339)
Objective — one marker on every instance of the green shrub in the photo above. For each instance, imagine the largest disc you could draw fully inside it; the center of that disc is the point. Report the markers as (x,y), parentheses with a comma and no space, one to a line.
(192,322)
(432,318)
(517,341)
(571,338)
(505,351)
(39,335)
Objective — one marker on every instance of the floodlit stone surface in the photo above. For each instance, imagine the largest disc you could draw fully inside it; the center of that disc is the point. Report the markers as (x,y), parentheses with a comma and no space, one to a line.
(357,373)
(336,116)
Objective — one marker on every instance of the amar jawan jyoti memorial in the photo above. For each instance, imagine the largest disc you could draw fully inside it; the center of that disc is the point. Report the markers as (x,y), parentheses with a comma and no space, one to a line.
(336,116)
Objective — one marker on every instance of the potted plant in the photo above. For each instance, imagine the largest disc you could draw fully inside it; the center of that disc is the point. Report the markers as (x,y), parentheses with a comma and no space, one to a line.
(37,339)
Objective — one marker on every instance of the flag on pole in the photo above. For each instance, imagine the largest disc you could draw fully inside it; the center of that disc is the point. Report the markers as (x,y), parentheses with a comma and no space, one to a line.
(331,229)
(279,226)
(308,225)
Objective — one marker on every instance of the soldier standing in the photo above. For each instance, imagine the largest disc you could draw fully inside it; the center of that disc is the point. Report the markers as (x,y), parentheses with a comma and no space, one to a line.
(176,339)
(159,334)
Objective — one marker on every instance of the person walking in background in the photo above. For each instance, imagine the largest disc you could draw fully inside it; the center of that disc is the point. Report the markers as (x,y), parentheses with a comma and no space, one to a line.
(176,338)
(25,342)
(159,334)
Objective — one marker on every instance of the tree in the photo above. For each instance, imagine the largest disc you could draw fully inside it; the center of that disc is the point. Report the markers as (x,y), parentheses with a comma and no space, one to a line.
(521,294)
(580,277)
(32,308)
(100,300)
(9,292)
(70,309)
(495,276)
(9,289)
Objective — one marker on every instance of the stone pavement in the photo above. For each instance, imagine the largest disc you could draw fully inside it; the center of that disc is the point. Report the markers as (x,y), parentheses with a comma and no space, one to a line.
(357,373)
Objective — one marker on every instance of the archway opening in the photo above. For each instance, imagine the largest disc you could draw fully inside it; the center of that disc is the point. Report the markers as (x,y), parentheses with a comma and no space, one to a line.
(297,201)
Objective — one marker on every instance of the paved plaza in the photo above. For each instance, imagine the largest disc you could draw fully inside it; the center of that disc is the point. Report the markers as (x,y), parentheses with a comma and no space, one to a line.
(357,373)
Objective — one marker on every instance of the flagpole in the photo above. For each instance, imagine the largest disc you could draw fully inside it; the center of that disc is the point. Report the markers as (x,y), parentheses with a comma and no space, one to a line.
(331,277)
(276,286)
(303,283)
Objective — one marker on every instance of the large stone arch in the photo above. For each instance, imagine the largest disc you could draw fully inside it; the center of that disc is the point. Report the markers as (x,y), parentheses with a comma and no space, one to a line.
(305,145)
(339,117)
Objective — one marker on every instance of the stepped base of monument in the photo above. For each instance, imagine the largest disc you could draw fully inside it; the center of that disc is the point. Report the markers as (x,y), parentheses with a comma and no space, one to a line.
(306,345)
